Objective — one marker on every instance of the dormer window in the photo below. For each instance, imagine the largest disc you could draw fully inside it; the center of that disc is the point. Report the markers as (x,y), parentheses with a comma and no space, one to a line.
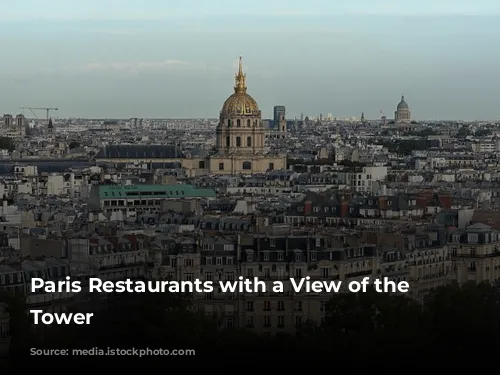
(327,209)
(472,238)
(300,209)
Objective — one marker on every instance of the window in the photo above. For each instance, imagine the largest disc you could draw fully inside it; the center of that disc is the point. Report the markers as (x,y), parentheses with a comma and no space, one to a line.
(238,123)
(250,322)
(272,242)
(228,141)
(314,256)
(208,260)
(247,165)
(249,257)
(472,238)
(201,165)
(280,255)
(298,257)
(248,123)
(249,141)
(221,166)
(271,166)
(266,256)
(281,306)
(218,261)
(229,261)
(229,123)
(238,141)
(250,306)
(324,273)
(298,321)
(267,321)
(298,306)
(267,305)
(281,322)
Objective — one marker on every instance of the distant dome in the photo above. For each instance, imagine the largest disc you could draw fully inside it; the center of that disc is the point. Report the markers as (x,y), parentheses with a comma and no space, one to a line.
(240,103)
(402,104)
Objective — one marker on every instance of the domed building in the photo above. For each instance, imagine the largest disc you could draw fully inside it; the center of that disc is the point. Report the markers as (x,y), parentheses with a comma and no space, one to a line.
(240,135)
(240,143)
(402,114)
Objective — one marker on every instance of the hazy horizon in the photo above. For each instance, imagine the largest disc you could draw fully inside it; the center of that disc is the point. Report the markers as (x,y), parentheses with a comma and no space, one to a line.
(163,61)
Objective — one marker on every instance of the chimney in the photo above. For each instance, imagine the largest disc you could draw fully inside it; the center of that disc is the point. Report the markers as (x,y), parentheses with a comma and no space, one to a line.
(344,209)
(382,203)
(307,207)
(445,200)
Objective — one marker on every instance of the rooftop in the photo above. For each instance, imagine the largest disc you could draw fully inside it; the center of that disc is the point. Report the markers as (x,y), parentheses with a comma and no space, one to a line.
(140,152)
(158,191)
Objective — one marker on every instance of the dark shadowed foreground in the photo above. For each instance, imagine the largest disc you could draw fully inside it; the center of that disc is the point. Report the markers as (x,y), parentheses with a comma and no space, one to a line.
(370,329)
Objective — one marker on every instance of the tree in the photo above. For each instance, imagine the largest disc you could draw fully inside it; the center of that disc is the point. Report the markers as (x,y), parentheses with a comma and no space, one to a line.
(461,316)
(463,132)
(359,329)
(7,144)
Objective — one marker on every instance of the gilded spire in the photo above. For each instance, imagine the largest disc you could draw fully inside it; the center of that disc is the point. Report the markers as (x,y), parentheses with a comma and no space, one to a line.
(240,84)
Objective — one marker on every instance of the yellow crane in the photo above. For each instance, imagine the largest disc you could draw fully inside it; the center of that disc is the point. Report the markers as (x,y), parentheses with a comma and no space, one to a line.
(47,109)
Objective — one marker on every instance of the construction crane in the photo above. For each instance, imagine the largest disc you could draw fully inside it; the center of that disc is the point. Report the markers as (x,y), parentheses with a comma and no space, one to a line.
(40,108)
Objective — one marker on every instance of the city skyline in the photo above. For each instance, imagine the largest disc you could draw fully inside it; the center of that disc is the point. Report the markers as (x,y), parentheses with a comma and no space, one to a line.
(97,64)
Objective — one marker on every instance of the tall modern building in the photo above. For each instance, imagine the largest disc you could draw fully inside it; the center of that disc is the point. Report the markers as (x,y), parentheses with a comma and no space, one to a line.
(279,114)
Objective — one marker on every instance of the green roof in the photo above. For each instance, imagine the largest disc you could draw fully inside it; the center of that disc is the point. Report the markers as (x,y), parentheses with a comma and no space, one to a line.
(154,191)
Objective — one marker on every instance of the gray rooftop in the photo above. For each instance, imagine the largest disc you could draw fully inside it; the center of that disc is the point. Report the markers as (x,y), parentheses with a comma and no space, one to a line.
(140,152)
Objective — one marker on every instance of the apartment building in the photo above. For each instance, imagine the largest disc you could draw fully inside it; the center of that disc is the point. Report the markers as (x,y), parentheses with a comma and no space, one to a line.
(4,330)
(269,258)
(475,253)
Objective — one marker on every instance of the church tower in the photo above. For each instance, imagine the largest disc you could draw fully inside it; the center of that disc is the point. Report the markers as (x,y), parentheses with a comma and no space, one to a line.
(240,136)
(240,129)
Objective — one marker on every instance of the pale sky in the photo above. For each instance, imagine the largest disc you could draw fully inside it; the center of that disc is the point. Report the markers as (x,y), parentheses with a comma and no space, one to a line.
(177,59)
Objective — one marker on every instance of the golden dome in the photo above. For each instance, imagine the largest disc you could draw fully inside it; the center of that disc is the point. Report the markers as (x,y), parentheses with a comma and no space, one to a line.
(240,103)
